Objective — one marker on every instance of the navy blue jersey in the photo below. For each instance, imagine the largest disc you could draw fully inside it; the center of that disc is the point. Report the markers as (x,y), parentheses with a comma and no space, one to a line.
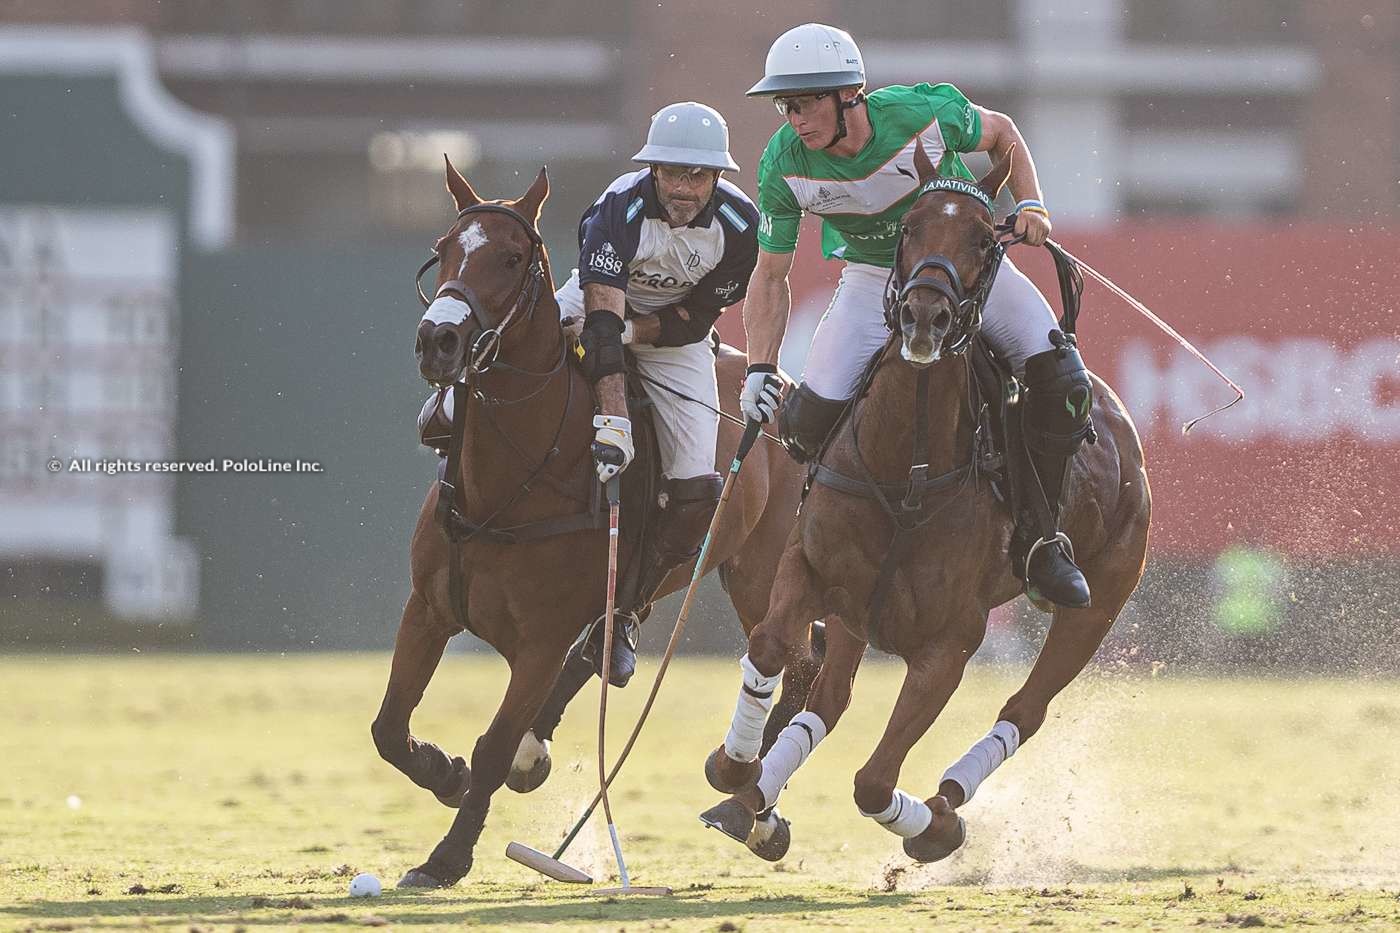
(625,242)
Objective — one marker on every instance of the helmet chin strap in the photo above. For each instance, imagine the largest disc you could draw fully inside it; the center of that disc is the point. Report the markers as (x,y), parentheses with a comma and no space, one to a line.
(841,108)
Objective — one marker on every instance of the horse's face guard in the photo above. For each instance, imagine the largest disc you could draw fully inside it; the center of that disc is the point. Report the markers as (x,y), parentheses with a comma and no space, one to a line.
(929,305)
(459,331)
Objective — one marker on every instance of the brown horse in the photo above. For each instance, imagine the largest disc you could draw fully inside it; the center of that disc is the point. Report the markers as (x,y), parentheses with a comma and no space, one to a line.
(954,567)
(525,459)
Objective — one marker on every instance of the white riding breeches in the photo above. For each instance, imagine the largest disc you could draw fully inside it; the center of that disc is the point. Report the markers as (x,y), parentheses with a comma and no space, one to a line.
(685,432)
(1017,321)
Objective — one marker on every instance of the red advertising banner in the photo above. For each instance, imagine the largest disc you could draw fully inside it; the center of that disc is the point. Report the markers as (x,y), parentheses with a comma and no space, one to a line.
(1306,318)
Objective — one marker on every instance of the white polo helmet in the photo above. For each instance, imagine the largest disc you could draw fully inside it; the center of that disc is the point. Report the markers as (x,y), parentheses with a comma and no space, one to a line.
(809,59)
(688,134)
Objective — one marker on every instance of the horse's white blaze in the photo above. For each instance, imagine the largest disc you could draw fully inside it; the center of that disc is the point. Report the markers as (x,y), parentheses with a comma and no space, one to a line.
(447,310)
(984,757)
(791,749)
(950,209)
(471,240)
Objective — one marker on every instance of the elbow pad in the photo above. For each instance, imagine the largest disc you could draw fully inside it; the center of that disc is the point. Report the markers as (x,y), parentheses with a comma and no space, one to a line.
(600,345)
(678,332)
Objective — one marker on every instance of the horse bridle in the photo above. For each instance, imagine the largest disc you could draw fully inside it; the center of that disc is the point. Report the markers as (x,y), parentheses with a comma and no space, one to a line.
(486,345)
(967,308)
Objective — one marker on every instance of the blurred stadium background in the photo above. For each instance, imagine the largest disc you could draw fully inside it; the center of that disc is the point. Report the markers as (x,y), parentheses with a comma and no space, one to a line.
(210,213)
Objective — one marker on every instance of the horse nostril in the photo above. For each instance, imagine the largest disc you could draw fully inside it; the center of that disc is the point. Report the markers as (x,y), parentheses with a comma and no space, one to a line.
(447,343)
(418,345)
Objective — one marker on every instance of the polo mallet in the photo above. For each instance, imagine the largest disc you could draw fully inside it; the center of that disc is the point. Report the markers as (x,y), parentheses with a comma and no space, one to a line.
(614,485)
(551,866)
(1166,328)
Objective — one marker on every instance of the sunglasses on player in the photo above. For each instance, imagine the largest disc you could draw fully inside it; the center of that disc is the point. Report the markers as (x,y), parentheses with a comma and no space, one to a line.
(796,105)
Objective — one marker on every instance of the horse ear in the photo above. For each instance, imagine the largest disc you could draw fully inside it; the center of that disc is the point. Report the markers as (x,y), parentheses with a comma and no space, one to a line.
(923,165)
(534,199)
(992,182)
(457,186)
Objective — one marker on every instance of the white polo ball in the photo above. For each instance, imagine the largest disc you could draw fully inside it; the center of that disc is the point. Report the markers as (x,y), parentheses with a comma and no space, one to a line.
(364,885)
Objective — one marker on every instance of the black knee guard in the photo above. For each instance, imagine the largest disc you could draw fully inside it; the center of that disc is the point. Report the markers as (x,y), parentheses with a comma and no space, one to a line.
(805,421)
(1059,399)
(680,531)
(689,507)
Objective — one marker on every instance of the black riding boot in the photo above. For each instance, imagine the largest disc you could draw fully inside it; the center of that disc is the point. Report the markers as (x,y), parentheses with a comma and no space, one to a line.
(626,630)
(1055,420)
(806,421)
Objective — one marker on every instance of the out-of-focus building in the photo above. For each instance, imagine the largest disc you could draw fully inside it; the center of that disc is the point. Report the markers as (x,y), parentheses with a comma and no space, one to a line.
(341,107)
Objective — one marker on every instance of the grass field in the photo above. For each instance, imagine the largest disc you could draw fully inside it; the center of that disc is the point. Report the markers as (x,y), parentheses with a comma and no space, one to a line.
(243,791)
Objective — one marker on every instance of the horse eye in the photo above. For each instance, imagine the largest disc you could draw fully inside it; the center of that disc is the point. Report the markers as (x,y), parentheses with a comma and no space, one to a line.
(514,260)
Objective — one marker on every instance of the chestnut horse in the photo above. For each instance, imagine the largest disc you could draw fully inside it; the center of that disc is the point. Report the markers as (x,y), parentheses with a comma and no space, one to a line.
(952,567)
(525,459)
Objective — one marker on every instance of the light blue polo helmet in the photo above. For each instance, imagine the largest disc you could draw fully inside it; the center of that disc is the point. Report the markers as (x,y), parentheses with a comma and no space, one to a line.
(689,134)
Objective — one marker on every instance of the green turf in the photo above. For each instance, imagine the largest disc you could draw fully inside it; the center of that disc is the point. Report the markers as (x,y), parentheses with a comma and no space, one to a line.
(243,791)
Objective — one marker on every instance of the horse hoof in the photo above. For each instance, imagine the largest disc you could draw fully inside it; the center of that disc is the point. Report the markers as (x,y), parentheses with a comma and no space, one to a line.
(522,782)
(464,784)
(770,839)
(531,765)
(419,878)
(732,818)
(933,845)
(729,776)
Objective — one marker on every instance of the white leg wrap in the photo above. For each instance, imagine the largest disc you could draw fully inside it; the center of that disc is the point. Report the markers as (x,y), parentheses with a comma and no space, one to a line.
(745,736)
(969,771)
(906,816)
(797,741)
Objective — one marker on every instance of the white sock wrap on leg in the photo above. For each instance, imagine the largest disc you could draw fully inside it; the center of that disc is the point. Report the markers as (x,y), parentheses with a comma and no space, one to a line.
(906,816)
(969,771)
(745,736)
(792,747)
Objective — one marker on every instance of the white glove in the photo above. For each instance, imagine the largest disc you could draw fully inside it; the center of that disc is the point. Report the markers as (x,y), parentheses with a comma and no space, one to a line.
(612,445)
(762,389)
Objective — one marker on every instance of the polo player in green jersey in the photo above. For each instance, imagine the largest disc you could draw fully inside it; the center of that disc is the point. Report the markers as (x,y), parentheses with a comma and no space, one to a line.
(848,156)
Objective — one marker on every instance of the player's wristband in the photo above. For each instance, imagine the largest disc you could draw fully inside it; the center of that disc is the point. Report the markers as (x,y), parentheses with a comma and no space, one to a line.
(1032,205)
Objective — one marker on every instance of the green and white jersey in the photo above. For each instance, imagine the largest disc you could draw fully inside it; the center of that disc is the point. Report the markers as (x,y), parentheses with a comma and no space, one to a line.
(862,199)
